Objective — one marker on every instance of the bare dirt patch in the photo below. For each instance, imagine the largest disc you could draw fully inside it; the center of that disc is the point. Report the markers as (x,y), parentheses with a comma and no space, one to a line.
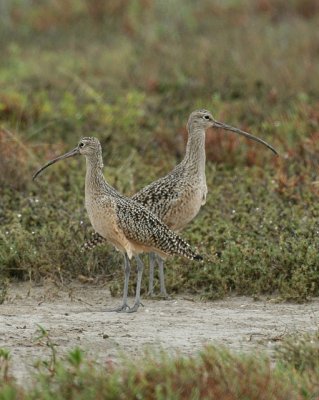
(75,316)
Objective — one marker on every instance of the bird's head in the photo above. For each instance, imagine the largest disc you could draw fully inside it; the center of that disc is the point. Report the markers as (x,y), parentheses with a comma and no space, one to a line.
(200,120)
(87,146)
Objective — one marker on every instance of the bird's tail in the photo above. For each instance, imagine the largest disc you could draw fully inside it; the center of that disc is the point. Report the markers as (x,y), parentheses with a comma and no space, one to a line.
(95,241)
(184,249)
(171,243)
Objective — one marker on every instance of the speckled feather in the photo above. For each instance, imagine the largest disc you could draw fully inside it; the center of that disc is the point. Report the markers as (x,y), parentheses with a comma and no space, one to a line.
(95,240)
(129,226)
(141,226)
(177,197)
(124,222)
(161,194)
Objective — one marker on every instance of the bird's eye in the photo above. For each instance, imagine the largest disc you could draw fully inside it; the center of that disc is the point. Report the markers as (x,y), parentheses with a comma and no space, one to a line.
(206,117)
(81,144)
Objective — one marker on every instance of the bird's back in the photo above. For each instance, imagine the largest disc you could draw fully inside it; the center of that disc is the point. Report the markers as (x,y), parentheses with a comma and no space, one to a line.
(175,198)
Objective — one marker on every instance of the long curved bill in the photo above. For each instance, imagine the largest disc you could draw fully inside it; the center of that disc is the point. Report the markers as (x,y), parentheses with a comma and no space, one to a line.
(71,153)
(243,133)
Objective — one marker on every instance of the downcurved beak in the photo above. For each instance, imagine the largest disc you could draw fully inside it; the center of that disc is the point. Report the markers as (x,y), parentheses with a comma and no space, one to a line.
(243,133)
(71,153)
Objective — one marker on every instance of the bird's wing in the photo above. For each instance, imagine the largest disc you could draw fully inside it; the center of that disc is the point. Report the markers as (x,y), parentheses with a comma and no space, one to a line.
(141,226)
(160,195)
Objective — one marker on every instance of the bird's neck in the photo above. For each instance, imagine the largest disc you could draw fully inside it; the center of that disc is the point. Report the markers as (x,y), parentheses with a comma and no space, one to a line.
(195,156)
(95,181)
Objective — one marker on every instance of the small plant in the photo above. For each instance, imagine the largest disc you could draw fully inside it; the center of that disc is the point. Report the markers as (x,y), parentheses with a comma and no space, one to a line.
(211,374)
(4,365)
(43,339)
(75,358)
(300,351)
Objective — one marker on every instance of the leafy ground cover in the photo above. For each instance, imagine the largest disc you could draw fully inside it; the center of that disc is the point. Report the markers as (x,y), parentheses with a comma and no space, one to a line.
(130,74)
(213,373)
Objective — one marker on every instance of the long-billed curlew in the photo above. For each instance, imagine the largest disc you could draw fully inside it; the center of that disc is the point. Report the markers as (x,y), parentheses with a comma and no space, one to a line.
(177,197)
(128,225)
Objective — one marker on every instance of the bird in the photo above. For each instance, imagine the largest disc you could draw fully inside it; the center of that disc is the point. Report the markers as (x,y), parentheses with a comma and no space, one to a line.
(177,197)
(129,226)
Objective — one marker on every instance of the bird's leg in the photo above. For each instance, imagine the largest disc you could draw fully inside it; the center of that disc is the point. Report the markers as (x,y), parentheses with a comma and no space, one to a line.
(163,292)
(140,267)
(127,269)
(151,280)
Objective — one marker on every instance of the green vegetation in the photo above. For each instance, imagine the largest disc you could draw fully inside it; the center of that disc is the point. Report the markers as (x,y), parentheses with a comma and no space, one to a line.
(213,373)
(130,73)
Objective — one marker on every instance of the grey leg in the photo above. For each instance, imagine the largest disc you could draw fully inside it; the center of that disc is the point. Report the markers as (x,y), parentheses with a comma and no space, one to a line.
(127,269)
(160,263)
(140,267)
(151,281)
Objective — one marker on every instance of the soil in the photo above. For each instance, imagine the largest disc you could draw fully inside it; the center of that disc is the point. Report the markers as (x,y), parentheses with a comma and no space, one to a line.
(75,316)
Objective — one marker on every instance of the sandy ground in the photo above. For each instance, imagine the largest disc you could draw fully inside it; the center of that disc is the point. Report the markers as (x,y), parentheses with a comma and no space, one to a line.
(75,316)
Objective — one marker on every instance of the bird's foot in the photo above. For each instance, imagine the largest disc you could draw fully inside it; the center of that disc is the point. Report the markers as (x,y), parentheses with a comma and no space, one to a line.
(165,296)
(161,295)
(151,293)
(122,308)
(135,307)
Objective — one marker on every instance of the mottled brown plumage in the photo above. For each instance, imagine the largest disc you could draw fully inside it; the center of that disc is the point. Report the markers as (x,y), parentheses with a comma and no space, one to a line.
(177,197)
(128,225)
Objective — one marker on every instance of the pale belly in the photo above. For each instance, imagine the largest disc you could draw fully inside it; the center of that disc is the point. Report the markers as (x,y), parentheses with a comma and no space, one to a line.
(185,209)
(104,222)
